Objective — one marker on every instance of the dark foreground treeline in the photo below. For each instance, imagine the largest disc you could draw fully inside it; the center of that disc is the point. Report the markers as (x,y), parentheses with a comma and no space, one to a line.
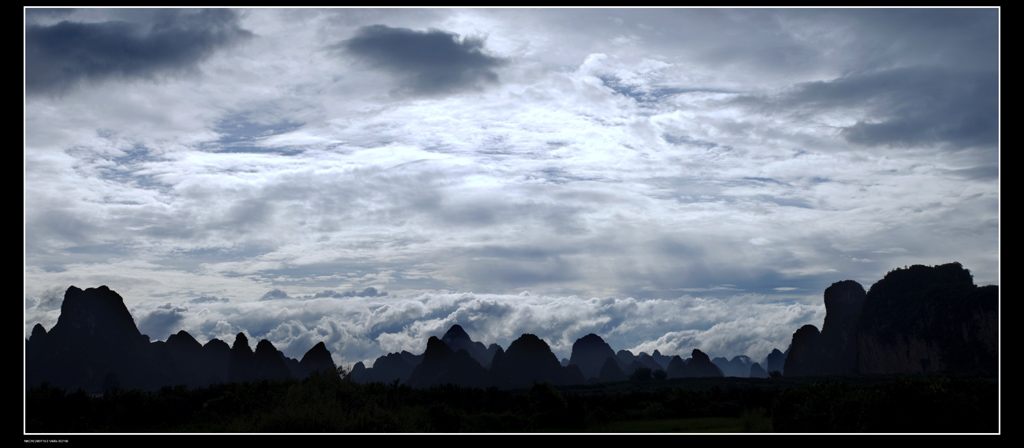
(328,403)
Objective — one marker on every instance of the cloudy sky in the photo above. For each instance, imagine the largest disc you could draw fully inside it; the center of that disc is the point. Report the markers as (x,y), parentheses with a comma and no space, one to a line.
(665,178)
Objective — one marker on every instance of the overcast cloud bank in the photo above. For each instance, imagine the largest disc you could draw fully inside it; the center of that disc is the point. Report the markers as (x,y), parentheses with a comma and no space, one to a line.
(670,179)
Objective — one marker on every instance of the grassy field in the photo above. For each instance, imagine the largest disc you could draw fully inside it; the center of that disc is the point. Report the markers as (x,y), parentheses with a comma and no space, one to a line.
(323,404)
(690,425)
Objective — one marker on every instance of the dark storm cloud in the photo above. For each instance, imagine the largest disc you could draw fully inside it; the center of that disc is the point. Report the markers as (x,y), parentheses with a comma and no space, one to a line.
(367,292)
(512,273)
(371,292)
(248,214)
(208,299)
(431,62)
(519,252)
(163,321)
(966,37)
(905,106)
(59,56)
(911,76)
(985,172)
(687,140)
(275,294)
(35,14)
(918,106)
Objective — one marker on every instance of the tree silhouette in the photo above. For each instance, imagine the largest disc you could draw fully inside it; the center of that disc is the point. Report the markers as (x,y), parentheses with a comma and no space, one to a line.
(641,374)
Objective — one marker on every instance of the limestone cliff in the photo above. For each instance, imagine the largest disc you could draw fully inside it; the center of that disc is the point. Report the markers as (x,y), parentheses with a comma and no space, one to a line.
(929,319)
(920,319)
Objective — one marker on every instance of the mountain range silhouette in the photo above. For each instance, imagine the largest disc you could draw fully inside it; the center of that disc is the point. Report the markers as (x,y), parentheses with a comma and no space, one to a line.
(921,319)
(95,346)
(915,320)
